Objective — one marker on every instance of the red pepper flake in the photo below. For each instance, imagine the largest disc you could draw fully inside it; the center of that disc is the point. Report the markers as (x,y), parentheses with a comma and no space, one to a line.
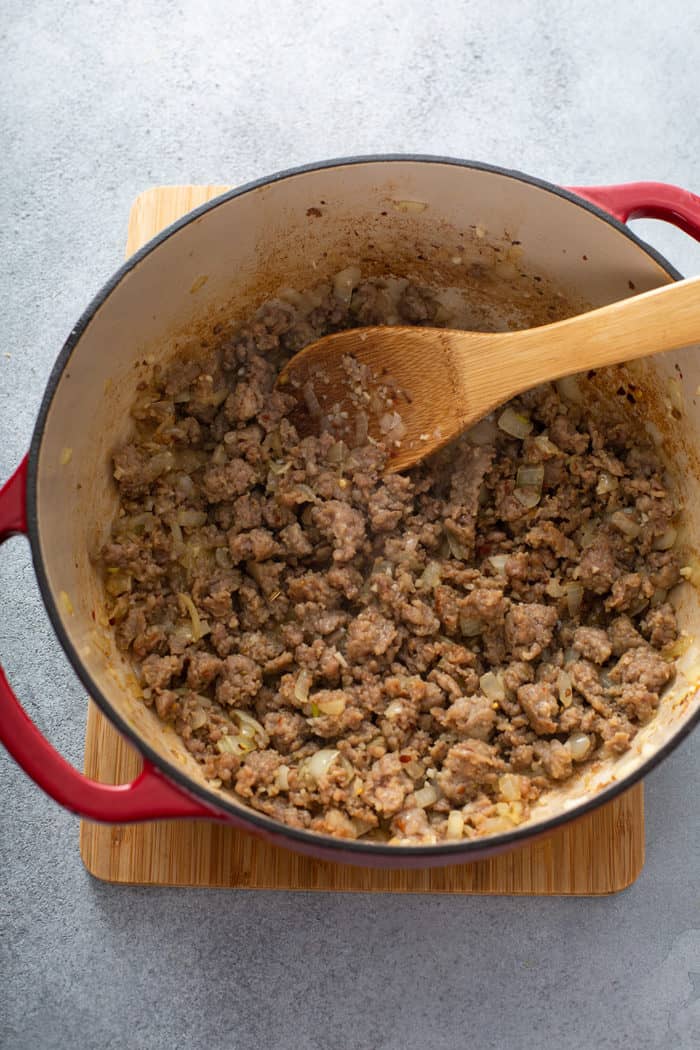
(404,758)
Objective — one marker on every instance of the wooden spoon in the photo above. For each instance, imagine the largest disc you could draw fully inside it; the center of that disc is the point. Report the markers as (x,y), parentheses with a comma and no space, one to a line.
(447,379)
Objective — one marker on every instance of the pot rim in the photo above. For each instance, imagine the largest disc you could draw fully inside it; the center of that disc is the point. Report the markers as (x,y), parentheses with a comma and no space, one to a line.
(463,850)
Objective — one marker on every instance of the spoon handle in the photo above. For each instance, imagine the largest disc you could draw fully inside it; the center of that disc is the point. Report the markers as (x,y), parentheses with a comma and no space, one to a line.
(663,319)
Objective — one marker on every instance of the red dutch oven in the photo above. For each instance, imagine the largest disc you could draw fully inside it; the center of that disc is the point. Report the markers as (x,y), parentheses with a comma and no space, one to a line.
(406,214)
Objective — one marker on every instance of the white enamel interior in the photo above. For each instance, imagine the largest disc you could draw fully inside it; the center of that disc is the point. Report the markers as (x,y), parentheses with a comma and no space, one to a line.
(253,244)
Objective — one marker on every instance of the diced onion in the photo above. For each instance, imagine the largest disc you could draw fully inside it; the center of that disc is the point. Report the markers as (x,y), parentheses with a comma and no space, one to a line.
(282,778)
(431,576)
(675,394)
(180,637)
(336,706)
(457,548)
(499,562)
(607,483)
(292,296)
(320,762)
(345,281)
(227,745)
(495,825)
(483,433)
(579,745)
(382,565)
(409,207)
(190,518)
(160,464)
(529,497)
(626,524)
(188,606)
(117,583)
(512,811)
(198,719)
(218,456)
(426,796)
(271,443)
(678,648)
(393,710)
(135,523)
(178,541)
(234,745)
(492,686)
(251,728)
(515,424)
(574,597)
(304,494)
(530,477)
(555,589)
(469,626)
(455,825)
(587,532)
(222,557)
(509,787)
(218,397)
(279,468)
(302,686)
(391,426)
(565,689)
(545,446)
(363,826)
(184,484)
(347,766)
(569,389)
(666,540)
(691,572)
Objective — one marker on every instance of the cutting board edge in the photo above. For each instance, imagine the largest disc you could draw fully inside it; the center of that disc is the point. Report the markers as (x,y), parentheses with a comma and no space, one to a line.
(284,888)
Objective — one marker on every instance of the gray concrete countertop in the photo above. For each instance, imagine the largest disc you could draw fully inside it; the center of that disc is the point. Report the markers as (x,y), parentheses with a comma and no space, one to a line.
(102,100)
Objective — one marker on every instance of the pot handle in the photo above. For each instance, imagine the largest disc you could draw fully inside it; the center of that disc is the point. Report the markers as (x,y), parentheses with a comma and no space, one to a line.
(150,796)
(647,200)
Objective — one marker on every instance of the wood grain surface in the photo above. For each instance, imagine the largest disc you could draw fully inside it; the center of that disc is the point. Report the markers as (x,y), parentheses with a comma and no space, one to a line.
(601,853)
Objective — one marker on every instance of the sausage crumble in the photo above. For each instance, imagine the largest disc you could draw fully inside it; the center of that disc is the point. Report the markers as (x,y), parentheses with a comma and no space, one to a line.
(414,658)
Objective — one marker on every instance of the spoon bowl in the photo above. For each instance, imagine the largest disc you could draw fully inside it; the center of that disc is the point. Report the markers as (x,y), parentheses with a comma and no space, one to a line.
(415,389)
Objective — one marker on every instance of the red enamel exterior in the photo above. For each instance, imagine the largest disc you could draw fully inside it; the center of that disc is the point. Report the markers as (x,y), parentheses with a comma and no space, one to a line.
(647,200)
(13,504)
(152,795)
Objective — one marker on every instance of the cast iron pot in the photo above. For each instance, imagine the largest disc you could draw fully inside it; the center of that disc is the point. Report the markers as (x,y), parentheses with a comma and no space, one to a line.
(428,217)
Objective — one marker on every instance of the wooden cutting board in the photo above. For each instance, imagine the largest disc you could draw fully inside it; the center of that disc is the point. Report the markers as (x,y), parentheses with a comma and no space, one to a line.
(601,853)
